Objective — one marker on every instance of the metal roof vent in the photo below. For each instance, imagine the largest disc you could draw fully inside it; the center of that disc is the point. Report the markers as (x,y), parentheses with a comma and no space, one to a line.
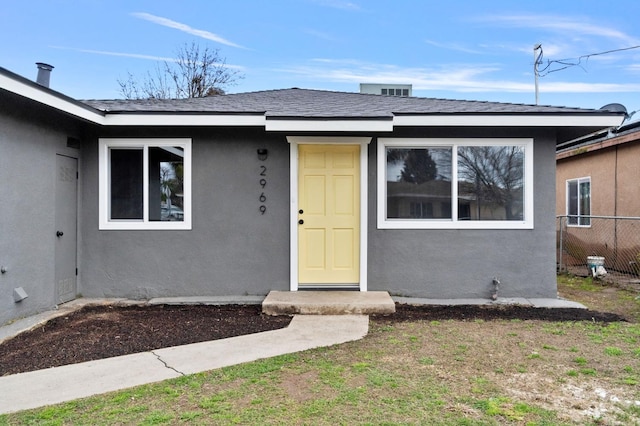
(44,73)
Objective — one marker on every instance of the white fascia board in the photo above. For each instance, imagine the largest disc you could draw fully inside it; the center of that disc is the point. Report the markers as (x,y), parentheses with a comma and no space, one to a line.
(46,98)
(329,126)
(169,119)
(552,120)
(329,140)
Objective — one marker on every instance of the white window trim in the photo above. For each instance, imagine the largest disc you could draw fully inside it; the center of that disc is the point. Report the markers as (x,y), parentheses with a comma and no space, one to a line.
(104,144)
(384,223)
(579,215)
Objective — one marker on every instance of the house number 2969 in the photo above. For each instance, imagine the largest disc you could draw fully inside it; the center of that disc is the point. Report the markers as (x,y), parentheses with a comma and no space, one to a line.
(263,183)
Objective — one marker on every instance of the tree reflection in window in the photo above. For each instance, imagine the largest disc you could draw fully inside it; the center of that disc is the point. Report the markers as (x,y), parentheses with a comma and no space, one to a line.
(419,183)
(491,182)
(166,183)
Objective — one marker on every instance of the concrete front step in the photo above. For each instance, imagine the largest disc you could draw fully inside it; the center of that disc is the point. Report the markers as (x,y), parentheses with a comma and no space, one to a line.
(328,302)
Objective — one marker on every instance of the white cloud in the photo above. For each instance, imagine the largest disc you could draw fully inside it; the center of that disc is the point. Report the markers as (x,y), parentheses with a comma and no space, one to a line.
(550,49)
(338,4)
(454,46)
(569,87)
(321,35)
(570,41)
(456,77)
(185,28)
(569,27)
(461,78)
(132,55)
(121,54)
(633,68)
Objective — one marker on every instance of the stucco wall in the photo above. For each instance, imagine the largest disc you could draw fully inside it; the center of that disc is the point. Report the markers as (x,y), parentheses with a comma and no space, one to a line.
(28,151)
(463,263)
(232,249)
(600,166)
(614,175)
(628,178)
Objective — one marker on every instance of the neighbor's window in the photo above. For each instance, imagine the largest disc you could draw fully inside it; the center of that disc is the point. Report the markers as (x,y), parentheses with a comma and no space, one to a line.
(455,183)
(145,183)
(579,201)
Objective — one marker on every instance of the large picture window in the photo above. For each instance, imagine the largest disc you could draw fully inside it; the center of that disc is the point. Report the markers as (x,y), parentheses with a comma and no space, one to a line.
(579,201)
(145,183)
(455,183)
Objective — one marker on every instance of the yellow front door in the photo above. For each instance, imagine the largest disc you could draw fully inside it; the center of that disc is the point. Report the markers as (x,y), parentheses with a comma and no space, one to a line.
(329,214)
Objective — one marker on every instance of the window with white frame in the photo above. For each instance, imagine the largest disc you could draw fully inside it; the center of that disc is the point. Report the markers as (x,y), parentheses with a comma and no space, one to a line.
(455,183)
(579,201)
(145,183)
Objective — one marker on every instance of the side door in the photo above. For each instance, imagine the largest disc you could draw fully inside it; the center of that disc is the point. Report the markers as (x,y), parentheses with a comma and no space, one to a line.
(65,233)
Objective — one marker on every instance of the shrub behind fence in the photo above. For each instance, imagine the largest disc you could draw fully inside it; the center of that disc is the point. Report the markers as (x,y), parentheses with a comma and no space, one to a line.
(617,239)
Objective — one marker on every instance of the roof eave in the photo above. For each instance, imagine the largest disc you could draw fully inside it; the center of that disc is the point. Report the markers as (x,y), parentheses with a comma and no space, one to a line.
(356,124)
(183,119)
(21,86)
(605,141)
(581,122)
(515,120)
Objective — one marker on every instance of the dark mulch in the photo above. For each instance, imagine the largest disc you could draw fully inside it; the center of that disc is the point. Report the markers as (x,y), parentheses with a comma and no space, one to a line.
(97,332)
(495,312)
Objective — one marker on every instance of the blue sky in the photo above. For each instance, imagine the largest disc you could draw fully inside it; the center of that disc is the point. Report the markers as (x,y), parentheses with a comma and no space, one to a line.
(479,50)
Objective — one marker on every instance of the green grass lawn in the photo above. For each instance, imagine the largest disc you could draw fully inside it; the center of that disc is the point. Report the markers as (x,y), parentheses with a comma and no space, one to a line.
(434,373)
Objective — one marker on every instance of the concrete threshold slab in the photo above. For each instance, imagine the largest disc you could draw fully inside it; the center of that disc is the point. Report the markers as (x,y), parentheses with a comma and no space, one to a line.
(55,385)
(328,302)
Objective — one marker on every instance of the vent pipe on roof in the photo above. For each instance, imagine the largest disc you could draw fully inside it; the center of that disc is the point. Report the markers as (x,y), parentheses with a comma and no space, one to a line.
(44,73)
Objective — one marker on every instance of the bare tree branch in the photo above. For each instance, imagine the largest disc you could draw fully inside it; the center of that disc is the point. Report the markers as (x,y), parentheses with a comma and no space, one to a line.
(196,72)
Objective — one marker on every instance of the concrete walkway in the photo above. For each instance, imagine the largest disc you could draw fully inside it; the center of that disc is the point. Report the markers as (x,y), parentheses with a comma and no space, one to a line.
(55,385)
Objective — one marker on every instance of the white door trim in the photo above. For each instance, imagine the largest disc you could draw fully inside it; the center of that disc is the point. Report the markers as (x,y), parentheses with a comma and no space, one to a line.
(294,141)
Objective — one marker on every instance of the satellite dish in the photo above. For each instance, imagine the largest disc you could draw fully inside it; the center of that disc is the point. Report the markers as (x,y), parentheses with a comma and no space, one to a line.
(614,108)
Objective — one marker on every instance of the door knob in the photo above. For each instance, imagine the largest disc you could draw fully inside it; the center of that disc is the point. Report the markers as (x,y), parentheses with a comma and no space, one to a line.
(59,234)
(301,221)
(300,211)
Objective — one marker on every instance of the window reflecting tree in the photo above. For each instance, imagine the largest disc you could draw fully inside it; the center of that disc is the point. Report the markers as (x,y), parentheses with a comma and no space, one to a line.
(419,167)
(493,176)
(419,183)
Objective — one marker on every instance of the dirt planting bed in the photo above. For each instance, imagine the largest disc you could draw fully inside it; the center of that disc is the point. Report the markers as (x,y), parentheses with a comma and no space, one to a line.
(96,332)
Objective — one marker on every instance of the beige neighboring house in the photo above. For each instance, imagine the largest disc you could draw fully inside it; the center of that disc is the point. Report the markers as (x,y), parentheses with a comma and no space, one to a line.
(599,175)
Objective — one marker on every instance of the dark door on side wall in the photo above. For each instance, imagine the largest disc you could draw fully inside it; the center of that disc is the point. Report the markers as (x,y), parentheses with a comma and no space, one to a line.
(65,233)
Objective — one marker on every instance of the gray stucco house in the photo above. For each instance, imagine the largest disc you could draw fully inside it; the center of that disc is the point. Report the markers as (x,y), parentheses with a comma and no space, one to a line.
(288,190)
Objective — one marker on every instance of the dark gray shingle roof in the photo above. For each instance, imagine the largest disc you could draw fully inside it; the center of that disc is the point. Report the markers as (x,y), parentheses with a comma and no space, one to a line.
(303,103)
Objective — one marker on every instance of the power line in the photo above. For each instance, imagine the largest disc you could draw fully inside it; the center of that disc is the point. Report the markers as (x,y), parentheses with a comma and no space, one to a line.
(568,62)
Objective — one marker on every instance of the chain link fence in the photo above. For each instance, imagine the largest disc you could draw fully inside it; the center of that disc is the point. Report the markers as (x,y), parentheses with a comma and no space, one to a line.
(617,239)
